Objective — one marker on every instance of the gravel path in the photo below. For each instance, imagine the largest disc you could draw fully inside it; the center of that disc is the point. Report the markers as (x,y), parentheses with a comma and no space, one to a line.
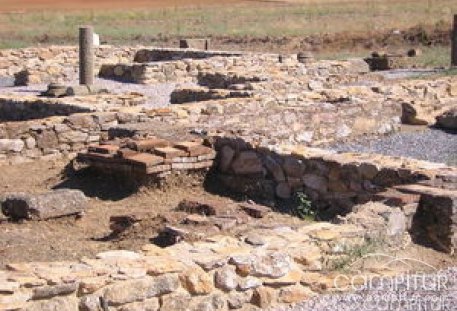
(158,94)
(429,144)
(429,292)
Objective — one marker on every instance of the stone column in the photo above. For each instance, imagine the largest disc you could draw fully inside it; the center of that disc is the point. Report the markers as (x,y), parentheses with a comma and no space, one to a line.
(454,43)
(86,55)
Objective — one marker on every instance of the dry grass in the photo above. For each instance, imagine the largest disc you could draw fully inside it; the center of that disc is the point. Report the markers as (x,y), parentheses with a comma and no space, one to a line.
(248,18)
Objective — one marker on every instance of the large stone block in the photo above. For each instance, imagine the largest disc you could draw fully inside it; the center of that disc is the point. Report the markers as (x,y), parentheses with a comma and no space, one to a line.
(435,222)
(448,120)
(11,145)
(247,163)
(138,290)
(53,204)
(66,303)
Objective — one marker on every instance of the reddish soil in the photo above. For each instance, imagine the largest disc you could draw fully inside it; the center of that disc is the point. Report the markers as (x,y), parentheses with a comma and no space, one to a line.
(26,5)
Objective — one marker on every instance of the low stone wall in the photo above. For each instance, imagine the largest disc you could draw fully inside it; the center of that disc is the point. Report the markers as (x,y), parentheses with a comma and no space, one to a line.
(170,54)
(335,183)
(55,63)
(282,265)
(57,136)
(262,66)
(21,108)
(198,94)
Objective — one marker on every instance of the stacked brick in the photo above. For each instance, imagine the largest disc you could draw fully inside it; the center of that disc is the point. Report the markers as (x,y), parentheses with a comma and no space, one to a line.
(152,156)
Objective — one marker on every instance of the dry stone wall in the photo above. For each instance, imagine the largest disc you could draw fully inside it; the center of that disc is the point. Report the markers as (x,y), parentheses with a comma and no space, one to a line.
(334,182)
(285,265)
(55,63)
(56,136)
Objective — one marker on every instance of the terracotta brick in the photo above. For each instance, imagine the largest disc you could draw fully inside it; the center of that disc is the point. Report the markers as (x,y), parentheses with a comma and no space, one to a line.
(185,160)
(126,152)
(169,152)
(144,159)
(194,148)
(204,164)
(105,149)
(158,169)
(182,166)
(95,156)
(148,144)
(205,157)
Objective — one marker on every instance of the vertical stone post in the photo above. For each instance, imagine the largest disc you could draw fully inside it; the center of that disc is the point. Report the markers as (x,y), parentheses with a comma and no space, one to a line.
(454,43)
(86,55)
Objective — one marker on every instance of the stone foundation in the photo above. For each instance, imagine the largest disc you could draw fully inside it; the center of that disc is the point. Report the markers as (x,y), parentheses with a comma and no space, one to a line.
(55,63)
(219,273)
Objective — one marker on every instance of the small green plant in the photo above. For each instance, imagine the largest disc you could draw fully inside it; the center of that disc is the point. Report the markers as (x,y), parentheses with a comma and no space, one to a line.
(354,253)
(304,208)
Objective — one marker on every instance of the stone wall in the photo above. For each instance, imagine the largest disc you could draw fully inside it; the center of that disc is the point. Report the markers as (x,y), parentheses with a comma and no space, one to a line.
(335,183)
(267,66)
(55,63)
(56,136)
(282,265)
(21,108)
(170,54)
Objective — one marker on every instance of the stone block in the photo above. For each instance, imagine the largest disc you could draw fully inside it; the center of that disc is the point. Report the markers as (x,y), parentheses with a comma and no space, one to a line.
(194,148)
(158,169)
(53,204)
(197,282)
(144,160)
(264,297)
(169,153)
(65,303)
(11,145)
(247,163)
(435,221)
(275,169)
(255,210)
(448,120)
(226,157)
(199,44)
(137,290)
(148,144)
(106,149)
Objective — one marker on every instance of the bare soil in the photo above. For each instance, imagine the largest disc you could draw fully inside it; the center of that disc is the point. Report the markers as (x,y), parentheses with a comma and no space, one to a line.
(71,238)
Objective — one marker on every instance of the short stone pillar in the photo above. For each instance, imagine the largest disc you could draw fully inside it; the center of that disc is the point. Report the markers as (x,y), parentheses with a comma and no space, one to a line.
(86,55)
(454,43)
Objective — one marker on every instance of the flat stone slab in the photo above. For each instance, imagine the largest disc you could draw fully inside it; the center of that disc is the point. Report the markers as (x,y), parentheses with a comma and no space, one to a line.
(54,204)
(6,81)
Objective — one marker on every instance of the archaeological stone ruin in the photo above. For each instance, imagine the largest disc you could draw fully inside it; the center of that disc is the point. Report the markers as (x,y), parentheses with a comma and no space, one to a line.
(257,128)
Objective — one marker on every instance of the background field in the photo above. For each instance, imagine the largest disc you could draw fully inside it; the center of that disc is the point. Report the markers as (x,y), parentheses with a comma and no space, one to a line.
(325,26)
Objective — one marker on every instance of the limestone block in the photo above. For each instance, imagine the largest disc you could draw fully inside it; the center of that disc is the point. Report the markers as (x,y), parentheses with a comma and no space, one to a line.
(53,204)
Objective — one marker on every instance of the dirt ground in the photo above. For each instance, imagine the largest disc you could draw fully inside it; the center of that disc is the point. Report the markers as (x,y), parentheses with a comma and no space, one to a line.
(72,238)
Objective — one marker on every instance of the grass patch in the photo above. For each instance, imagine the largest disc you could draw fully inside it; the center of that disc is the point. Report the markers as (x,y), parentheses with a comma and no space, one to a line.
(354,253)
(269,19)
